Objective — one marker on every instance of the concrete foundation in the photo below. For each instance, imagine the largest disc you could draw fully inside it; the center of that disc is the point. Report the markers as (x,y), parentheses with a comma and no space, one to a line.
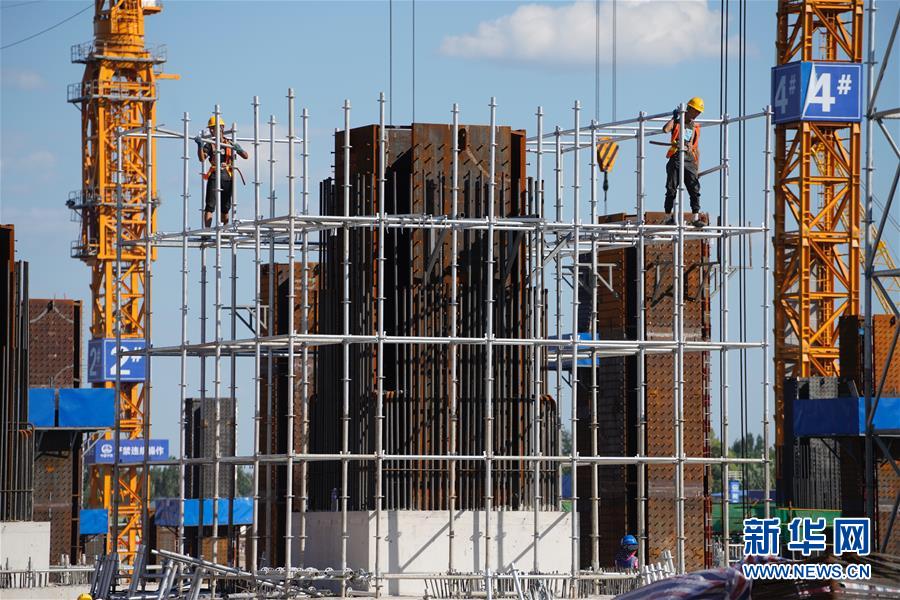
(25,544)
(417,542)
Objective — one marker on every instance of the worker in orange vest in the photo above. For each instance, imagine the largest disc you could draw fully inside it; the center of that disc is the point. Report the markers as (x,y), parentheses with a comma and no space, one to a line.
(691,160)
(227,151)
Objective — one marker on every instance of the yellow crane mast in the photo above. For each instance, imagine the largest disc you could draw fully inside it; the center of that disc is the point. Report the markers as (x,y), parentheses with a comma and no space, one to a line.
(117,93)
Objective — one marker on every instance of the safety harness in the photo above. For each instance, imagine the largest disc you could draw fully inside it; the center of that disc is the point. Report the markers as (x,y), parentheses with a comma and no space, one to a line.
(691,146)
(227,162)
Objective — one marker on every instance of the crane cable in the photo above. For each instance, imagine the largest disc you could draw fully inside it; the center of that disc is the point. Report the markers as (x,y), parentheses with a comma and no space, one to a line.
(43,31)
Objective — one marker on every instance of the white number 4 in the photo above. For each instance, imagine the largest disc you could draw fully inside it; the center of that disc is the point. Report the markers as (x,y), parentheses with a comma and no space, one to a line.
(819,91)
(781,99)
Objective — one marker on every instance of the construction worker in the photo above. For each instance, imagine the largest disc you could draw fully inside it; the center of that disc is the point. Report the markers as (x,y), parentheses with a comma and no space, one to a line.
(228,149)
(691,160)
(626,557)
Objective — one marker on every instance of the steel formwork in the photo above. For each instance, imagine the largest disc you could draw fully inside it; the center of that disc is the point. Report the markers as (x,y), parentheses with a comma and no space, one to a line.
(551,265)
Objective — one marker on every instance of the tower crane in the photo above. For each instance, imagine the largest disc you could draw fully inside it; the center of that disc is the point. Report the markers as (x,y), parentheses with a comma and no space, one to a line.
(117,199)
(817,191)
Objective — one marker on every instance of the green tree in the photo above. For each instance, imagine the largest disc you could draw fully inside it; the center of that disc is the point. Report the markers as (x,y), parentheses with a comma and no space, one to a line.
(750,446)
(164,482)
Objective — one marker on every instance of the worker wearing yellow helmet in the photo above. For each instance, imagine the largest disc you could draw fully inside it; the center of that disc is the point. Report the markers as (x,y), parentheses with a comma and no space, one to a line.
(691,160)
(228,150)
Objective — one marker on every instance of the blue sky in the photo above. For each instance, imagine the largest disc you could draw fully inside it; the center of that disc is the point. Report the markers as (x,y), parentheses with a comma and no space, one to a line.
(465,52)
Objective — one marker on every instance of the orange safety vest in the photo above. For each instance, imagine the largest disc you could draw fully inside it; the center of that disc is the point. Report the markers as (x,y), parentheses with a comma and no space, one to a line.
(691,146)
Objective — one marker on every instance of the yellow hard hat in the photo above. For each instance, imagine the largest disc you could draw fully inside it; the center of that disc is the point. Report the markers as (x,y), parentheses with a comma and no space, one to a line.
(696,103)
(84,596)
(214,120)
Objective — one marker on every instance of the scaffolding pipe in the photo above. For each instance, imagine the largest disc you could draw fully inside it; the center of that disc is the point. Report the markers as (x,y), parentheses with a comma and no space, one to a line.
(291,318)
(229,527)
(576,186)
(868,366)
(304,254)
(217,323)
(454,375)
(489,349)
(345,381)
(536,332)
(724,266)
(678,275)
(147,385)
(112,544)
(185,200)
(379,350)
(767,197)
(595,426)
(643,543)
(270,330)
(257,353)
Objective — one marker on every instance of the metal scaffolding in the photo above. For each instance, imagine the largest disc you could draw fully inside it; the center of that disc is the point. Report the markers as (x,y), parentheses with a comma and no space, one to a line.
(877,281)
(272,235)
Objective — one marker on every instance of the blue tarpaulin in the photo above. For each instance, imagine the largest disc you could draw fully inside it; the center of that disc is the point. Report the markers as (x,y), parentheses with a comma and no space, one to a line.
(72,408)
(829,417)
(93,408)
(42,407)
(92,521)
(167,511)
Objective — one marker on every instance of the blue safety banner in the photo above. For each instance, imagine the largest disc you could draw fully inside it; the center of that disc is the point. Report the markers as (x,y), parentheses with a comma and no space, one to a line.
(130,451)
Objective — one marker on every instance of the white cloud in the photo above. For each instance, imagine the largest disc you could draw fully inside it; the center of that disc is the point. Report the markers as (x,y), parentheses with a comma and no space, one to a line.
(661,32)
(23,79)
(39,160)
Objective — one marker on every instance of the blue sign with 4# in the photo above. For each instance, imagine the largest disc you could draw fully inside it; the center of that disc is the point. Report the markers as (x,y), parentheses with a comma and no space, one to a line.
(103,360)
(817,91)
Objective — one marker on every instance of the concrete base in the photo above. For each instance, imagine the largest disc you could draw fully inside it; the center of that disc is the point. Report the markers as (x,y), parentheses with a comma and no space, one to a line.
(417,542)
(25,544)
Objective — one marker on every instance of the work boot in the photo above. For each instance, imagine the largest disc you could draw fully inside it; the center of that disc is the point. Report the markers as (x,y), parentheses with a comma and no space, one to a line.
(670,220)
(697,221)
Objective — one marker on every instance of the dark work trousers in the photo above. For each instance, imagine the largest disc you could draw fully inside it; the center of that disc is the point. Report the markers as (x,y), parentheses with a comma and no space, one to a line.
(691,182)
(227,188)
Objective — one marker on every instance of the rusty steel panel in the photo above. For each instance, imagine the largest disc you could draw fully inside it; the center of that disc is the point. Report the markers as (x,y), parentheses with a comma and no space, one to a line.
(55,343)
(273,422)
(57,491)
(417,273)
(883,328)
(888,489)
(617,312)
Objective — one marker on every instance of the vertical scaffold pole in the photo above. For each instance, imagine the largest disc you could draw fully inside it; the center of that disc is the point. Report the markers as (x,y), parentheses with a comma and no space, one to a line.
(185,201)
(537,333)
(257,356)
(379,400)
(345,345)
(292,332)
(641,358)
(576,233)
(489,350)
(454,375)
